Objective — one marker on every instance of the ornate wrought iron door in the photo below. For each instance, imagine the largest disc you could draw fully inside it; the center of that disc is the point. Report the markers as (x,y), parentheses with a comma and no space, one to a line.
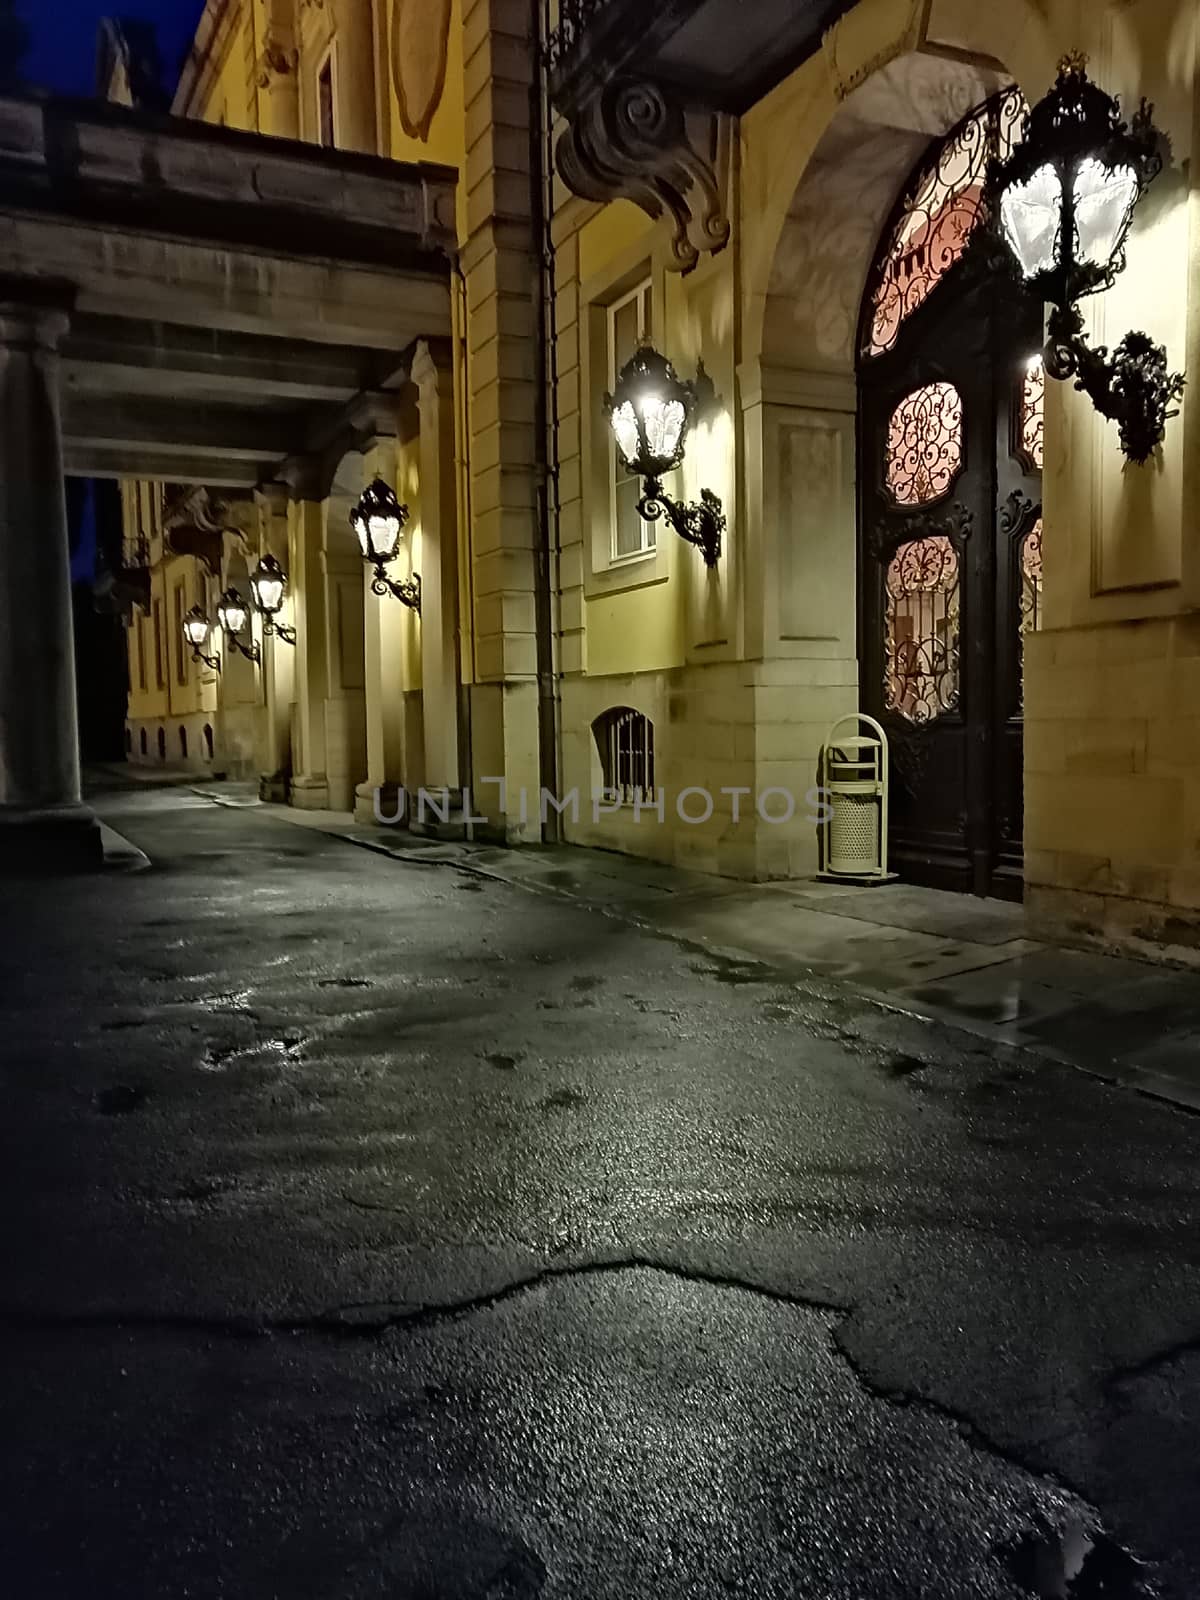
(950,491)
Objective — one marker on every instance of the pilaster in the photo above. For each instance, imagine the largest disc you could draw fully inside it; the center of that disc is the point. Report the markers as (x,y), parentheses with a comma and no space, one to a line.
(503,270)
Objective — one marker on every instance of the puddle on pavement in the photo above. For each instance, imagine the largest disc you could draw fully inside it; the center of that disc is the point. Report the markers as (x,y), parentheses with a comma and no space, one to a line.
(734,972)
(1077,1563)
(501,1062)
(904,1066)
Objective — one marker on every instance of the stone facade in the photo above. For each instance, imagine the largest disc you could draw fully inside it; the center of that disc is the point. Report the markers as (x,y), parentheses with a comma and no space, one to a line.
(542,626)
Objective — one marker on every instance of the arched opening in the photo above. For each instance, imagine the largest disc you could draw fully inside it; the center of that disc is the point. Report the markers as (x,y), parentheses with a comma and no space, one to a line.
(144,743)
(208,741)
(162,744)
(949,471)
(183,748)
(625,744)
(852,282)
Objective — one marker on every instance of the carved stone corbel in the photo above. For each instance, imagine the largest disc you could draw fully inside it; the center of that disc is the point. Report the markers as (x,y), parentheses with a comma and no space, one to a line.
(633,140)
(274,61)
(196,523)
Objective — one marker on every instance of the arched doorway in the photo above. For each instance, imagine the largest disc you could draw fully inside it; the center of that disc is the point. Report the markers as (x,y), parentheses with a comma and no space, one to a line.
(950,459)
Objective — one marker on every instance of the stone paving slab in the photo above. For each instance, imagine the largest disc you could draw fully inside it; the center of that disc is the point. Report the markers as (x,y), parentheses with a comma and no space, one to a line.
(903,905)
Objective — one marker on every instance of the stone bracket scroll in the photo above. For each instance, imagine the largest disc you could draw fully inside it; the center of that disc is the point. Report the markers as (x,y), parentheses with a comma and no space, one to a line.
(634,140)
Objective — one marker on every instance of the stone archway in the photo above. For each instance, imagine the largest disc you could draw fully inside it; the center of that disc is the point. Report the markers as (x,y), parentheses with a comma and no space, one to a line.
(810,258)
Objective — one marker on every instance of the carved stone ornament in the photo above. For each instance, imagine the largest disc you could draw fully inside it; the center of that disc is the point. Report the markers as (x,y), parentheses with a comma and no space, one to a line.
(635,141)
(196,524)
(274,62)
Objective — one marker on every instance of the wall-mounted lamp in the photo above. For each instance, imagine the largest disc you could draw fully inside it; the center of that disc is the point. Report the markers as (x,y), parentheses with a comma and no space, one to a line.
(267,584)
(650,412)
(378,521)
(234,619)
(1066,198)
(196,630)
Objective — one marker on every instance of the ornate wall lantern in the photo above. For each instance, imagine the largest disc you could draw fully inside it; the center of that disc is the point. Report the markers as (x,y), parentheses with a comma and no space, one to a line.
(267,584)
(196,630)
(234,618)
(650,412)
(1066,197)
(379,521)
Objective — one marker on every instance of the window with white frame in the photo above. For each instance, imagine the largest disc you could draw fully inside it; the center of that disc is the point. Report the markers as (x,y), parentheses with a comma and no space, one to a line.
(625,741)
(327,104)
(629,322)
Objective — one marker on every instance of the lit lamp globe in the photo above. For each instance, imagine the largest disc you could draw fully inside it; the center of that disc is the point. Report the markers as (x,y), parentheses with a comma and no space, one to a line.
(1068,191)
(649,412)
(196,628)
(378,521)
(267,585)
(232,613)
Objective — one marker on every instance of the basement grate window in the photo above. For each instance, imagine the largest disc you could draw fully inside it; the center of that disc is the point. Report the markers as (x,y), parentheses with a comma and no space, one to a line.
(625,740)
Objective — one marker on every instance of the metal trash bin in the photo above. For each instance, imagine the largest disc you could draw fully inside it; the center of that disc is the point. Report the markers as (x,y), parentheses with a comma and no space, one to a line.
(854,776)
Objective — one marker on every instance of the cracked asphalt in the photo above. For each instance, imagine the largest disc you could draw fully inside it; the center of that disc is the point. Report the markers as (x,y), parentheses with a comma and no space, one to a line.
(372,1229)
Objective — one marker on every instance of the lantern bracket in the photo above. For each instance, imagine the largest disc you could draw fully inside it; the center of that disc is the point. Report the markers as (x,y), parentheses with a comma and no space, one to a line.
(700,524)
(1132,387)
(209,661)
(408,594)
(279,630)
(250,651)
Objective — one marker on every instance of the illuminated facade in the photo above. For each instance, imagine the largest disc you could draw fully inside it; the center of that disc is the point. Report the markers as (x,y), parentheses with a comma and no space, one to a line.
(918,524)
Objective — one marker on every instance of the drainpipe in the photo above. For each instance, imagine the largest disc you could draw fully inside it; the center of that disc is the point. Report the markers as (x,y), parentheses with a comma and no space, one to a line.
(466,568)
(546,422)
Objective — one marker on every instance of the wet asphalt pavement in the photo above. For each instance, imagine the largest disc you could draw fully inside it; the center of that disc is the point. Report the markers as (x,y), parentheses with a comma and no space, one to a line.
(376,1230)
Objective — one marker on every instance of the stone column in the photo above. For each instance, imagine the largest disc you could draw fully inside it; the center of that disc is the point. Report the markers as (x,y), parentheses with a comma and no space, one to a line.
(43,824)
(345,661)
(309,788)
(278,657)
(439,571)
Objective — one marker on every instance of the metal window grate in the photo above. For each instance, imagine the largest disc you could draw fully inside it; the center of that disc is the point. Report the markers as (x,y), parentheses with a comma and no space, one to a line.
(626,742)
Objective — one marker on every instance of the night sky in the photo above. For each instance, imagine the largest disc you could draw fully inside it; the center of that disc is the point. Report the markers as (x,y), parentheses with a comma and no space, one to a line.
(63,56)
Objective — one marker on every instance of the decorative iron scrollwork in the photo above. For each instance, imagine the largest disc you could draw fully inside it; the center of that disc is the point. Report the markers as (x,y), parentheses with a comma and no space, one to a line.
(702,525)
(1015,512)
(954,524)
(1030,421)
(939,216)
(910,744)
(924,445)
(634,140)
(921,635)
(1132,387)
(574,19)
